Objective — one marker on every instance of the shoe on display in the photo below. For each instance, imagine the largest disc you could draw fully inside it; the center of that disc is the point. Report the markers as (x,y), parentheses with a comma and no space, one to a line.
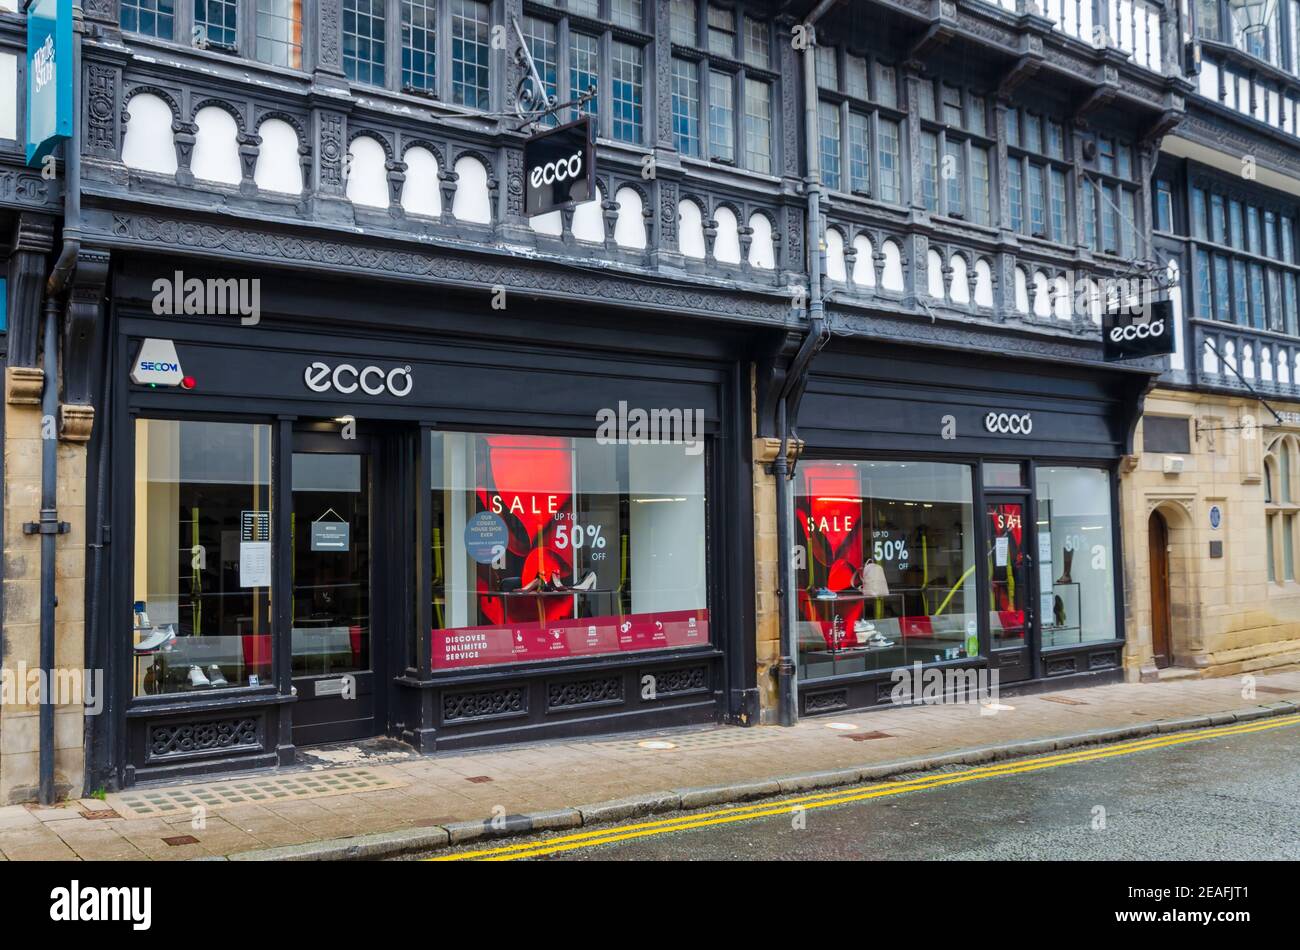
(825,593)
(156,639)
(1065,574)
(197,678)
(587,583)
(879,641)
(864,628)
(216,677)
(534,584)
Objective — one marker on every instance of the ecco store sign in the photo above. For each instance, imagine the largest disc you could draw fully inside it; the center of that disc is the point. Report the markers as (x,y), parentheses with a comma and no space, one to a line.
(1009,423)
(1128,336)
(346,379)
(559,168)
(1137,331)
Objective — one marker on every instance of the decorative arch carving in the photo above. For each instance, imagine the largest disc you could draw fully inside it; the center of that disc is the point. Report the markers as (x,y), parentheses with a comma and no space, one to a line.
(225,106)
(381,137)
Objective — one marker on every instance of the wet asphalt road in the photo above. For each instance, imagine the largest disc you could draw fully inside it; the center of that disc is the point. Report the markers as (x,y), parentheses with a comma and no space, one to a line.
(1229,798)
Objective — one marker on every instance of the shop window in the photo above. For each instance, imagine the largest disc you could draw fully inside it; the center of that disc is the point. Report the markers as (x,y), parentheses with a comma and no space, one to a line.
(548,547)
(202,568)
(1166,434)
(1076,558)
(885,569)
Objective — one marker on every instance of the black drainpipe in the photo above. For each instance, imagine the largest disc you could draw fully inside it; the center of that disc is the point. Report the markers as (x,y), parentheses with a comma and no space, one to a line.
(796,379)
(49,527)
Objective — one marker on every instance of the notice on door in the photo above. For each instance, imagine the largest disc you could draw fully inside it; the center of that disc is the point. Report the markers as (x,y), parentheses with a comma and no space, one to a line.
(329,535)
(254,526)
(1000,547)
(255,564)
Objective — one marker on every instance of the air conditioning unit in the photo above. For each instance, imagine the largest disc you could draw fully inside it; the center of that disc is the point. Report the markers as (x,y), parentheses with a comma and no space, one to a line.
(1174,464)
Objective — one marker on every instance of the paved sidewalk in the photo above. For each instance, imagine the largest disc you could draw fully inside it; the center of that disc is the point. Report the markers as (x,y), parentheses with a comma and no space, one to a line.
(402,800)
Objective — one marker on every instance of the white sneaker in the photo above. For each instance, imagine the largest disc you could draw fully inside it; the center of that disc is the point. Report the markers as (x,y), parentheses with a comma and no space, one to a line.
(156,639)
(197,678)
(864,628)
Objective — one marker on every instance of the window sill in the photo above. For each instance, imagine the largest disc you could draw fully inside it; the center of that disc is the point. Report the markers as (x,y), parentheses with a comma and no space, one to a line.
(185,702)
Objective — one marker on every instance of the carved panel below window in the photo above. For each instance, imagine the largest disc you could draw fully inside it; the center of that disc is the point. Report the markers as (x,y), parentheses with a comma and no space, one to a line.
(484,704)
(169,740)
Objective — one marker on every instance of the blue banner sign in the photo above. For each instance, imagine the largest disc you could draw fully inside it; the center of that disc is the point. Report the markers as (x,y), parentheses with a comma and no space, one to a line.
(49,76)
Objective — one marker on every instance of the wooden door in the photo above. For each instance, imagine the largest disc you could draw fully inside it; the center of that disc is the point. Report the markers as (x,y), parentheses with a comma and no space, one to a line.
(1158,542)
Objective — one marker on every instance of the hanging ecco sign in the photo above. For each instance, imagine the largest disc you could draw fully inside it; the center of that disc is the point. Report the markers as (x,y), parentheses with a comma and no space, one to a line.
(1123,337)
(1009,423)
(347,379)
(559,168)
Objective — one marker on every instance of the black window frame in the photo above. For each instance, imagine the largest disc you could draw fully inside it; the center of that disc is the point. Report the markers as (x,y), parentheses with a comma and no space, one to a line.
(738,69)
(875,109)
(606,34)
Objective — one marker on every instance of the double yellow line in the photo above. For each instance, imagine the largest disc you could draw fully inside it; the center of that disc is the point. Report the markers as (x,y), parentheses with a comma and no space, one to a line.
(722,816)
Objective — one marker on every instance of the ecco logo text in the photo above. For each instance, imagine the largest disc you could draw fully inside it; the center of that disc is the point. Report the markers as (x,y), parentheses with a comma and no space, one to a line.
(1009,423)
(346,379)
(1138,331)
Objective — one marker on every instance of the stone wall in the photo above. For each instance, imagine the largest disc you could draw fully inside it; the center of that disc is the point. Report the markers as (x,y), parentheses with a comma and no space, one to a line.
(1227,616)
(19,719)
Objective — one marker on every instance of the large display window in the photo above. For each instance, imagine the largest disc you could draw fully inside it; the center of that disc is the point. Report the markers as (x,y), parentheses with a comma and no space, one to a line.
(202,571)
(549,547)
(1076,557)
(885,569)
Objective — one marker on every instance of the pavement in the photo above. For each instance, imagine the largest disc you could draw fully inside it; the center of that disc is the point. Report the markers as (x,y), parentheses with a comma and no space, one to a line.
(380,799)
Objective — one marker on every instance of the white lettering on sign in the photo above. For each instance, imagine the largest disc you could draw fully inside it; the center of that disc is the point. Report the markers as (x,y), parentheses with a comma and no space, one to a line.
(1009,423)
(347,379)
(1138,331)
(43,64)
(558,170)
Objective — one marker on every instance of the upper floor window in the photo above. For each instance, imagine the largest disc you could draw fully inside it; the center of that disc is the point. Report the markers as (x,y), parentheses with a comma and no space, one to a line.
(955,152)
(723,99)
(1207,19)
(859,125)
(269,30)
(278,33)
(1163,212)
(575,57)
(1110,205)
(150,17)
(1245,258)
(1263,43)
(1038,177)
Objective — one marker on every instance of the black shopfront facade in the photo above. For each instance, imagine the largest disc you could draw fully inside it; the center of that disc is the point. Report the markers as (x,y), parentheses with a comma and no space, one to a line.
(390,510)
(957,510)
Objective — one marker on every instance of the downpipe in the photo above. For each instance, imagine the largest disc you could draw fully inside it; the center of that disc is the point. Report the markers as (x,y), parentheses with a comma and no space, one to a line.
(793,389)
(49,527)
